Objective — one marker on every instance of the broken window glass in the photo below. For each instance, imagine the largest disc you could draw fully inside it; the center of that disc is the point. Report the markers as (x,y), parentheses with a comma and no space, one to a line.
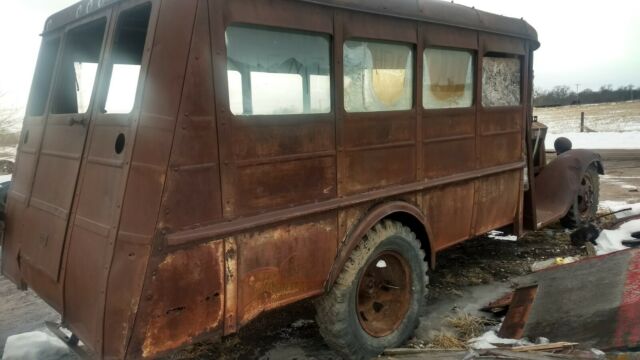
(378,76)
(272,71)
(79,67)
(448,79)
(126,59)
(500,81)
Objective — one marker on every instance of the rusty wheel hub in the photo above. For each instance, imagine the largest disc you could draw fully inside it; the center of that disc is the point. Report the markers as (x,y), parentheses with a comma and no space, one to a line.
(384,294)
(585,197)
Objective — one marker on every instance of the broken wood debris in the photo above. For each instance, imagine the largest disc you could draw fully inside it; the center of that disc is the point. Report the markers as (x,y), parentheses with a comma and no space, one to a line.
(540,347)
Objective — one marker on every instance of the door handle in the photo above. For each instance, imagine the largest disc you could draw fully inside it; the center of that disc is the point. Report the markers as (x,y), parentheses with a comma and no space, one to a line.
(80,121)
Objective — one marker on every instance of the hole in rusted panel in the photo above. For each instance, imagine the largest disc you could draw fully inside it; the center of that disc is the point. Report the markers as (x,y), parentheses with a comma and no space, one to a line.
(178,310)
(119,143)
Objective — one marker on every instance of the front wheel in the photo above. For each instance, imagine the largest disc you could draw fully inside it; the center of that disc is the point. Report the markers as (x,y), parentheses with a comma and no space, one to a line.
(379,295)
(585,205)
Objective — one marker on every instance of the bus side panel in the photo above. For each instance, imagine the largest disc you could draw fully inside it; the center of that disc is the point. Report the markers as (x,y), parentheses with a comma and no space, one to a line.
(133,259)
(445,205)
(186,298)
(496,201)
(283,264)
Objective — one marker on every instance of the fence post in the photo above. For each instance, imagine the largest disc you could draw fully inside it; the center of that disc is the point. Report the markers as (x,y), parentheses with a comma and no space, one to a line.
(582,121)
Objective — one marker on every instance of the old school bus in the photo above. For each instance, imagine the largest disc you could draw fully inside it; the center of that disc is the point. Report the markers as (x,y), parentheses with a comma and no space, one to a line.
(186,165)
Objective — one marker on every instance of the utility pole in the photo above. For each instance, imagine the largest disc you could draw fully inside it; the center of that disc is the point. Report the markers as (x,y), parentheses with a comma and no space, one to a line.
(578,92)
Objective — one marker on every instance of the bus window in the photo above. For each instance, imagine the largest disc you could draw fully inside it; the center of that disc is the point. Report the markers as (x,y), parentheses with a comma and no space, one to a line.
(448,79)
(43,77)
(500,81)
(378,76)
(128,48)
(273,71)
(79,68)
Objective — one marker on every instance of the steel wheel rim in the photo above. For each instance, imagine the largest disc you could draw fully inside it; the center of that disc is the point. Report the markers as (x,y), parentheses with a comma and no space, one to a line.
(384,294)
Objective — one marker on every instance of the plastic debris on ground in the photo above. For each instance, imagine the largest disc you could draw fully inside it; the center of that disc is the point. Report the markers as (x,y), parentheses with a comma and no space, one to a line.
(36,345)
(540,265)
(490,340)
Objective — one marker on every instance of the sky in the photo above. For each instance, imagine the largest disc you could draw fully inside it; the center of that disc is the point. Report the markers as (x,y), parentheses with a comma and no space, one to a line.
(590,43)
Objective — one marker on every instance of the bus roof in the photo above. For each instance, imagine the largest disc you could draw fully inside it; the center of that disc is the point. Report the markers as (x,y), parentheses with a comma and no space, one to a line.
(432,11)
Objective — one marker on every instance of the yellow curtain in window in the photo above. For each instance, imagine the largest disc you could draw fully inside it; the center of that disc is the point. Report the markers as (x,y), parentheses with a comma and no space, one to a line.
(389,71)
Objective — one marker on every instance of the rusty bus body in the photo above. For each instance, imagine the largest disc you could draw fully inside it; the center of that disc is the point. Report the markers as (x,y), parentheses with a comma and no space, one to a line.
(178,220)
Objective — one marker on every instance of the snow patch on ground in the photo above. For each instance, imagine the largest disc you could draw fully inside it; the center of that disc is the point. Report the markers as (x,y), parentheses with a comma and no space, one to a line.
(5,178)
(619,205)
(36,345)
(490,339)
(598,140)
(499,235)
(611,240)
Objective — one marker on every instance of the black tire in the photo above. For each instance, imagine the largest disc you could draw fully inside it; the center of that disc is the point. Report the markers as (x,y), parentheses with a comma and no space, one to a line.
(585,205)
(338,314)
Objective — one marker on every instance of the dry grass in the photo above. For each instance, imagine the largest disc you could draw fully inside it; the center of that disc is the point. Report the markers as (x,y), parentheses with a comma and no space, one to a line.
(464,327)
(467,326)
(447,342)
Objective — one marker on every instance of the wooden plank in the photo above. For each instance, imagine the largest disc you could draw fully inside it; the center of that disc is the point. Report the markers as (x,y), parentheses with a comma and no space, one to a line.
(541,347)
(519,310)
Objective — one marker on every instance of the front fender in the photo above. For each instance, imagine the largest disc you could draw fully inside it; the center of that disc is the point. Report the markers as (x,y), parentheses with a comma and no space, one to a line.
(556,186)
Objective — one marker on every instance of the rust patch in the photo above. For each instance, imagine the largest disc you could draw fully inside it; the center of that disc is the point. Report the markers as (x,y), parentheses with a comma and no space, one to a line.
(187,297)
(284,264)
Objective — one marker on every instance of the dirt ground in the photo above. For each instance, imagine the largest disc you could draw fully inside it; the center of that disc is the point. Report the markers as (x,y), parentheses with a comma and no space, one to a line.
(468,276)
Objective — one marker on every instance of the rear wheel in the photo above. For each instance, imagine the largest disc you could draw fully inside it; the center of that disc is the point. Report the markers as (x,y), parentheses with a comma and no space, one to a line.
(379,295)
(586,203)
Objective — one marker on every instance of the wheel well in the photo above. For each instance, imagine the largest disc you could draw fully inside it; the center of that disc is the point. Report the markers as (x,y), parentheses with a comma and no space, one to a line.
(599,167)
(417,228)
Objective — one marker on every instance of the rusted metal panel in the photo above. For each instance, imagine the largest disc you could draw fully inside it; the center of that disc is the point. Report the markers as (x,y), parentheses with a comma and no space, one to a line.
(449,142)
(126,277)
(499,136)
(187,300)
(293,134)
(449,36)
(192,194)
(444,204)
(374,167)
(496,201)
(502,44)
(280,265)
(281,184)
(362,25)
